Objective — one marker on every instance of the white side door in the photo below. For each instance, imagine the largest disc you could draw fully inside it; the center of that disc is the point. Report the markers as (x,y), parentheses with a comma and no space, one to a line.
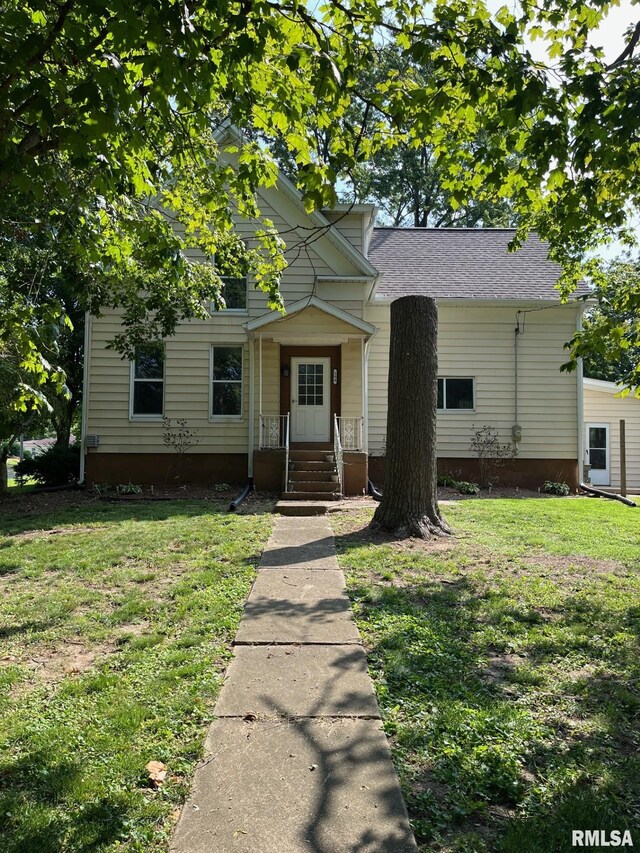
(598,454)
(310,399)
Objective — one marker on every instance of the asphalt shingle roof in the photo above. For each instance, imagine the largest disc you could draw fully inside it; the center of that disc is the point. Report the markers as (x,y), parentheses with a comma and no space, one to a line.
(461,263)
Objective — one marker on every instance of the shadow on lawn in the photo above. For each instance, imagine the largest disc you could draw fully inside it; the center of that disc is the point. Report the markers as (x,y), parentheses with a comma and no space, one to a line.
(37,782)
(505,757)
(88,510)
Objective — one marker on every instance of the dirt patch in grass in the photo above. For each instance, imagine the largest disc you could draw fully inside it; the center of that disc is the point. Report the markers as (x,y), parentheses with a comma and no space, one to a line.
(500,667)
(558,566)
(55,531)
(350,531)
(49,665)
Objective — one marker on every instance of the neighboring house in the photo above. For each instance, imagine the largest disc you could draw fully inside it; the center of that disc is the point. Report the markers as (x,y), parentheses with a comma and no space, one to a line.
(603,411)
(236,376)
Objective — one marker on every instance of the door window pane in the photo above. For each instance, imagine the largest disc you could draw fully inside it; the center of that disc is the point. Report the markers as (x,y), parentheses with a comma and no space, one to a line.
(598,458)
(597,437)
(310,384)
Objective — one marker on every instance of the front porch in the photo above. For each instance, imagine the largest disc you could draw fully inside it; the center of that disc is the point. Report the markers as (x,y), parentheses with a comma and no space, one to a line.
(291,473)
(308,393)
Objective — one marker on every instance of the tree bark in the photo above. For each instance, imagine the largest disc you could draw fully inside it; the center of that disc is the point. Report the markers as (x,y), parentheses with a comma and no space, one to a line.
(4,474)
(409,505)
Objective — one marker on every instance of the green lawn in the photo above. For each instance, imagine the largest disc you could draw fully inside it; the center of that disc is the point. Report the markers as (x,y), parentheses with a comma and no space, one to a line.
(507,665)
(114,629)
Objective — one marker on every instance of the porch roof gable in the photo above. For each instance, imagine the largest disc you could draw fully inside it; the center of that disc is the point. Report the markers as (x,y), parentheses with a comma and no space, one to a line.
(364,328)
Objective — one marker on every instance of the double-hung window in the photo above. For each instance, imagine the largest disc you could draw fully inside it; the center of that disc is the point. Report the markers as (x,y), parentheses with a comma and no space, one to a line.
(454,393)
(231,266)
(147,383)
(226,382)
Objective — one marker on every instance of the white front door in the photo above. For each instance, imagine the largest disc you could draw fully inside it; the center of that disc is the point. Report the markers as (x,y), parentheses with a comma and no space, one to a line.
(310,399)
(598,454)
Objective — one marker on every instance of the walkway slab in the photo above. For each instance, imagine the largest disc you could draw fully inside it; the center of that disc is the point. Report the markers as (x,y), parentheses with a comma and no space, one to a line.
(308,543)
(304,786)
(293,606)
(298,681)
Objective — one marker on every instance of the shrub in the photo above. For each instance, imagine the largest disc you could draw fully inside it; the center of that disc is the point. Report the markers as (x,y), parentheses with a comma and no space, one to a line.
(56,466)
(552,488)
(493,456)
(466,488)
(447,481)
(128,489)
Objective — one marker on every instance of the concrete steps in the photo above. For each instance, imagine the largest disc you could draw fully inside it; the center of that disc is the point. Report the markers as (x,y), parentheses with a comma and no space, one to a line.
(312,478)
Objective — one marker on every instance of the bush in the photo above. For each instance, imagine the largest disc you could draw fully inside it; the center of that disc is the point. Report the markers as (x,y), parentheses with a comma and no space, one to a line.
(56,466)
(466,488)
(447,481)
(555,488)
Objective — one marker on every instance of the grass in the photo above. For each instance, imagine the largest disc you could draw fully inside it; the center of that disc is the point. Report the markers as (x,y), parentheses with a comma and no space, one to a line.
(506,664)
(11,483)
(114,629)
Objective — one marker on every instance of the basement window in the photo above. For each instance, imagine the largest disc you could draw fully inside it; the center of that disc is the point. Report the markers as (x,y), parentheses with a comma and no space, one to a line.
(455,394)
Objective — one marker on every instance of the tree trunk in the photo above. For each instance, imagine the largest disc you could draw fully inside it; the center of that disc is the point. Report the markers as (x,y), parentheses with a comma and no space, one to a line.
(409,505)
(4,474)
(62,423)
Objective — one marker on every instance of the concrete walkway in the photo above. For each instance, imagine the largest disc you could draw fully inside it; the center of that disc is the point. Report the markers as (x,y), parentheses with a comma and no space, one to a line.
(297,759)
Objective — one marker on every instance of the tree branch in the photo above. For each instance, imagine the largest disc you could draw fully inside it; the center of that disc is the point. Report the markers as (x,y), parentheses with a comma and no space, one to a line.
(627,53)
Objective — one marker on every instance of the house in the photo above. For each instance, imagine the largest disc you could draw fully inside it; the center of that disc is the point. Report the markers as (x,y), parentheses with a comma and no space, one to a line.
(252,381)
(604,409)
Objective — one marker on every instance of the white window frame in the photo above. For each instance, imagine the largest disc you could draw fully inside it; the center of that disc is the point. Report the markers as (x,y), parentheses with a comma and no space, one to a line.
(243,312)
(444,395)
(225,418)
(132,380)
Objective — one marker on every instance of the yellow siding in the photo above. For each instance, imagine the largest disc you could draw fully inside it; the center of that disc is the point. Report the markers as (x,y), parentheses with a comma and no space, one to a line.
(349,225)
(187,367)
(601,407)
(187,375)
(478,342)
(351,380)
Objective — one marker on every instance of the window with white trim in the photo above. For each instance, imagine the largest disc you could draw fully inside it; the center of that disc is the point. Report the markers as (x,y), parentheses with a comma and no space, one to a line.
(455,393)
(147,382)
(231,266)
(226,382)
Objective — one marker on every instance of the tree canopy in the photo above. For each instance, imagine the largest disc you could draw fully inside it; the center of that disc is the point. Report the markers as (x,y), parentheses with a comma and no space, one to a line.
(609,342)
(110,115)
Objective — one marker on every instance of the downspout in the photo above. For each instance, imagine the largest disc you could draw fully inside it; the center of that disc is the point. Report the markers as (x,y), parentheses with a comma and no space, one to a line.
(252,405)
(365,395)
(580,398)
(248,486)
(85,394)
(516,429)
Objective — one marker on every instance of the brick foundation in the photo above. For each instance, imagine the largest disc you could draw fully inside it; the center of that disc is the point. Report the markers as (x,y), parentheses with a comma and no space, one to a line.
(524,473)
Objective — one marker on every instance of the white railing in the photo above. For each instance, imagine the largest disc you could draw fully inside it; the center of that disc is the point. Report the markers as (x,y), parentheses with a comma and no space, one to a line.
(351,433)
(286,451)
(337,452)
(273,430)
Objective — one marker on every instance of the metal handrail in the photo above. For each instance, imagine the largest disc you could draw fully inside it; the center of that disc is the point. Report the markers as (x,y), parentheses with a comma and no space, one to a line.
(272,431)
(351,432)
(286,451)
(337,452)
